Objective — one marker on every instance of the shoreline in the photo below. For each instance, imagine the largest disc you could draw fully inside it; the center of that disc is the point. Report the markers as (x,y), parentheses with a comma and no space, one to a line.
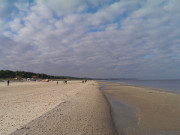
(149,119)
(176,91)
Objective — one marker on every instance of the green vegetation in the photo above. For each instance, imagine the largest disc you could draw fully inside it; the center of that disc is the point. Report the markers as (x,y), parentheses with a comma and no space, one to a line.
(4,74)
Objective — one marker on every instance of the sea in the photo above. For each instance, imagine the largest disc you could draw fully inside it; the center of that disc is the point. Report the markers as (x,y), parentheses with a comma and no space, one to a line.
(165,85)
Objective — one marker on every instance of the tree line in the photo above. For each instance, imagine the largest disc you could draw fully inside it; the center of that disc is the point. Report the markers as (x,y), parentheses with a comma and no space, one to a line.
(4,74)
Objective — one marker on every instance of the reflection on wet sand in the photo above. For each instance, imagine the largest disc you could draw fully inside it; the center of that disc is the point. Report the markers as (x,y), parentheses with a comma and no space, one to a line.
(143,111)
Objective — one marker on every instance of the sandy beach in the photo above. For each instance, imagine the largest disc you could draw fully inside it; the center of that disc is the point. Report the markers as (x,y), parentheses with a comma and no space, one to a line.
(47,108)
(157,112)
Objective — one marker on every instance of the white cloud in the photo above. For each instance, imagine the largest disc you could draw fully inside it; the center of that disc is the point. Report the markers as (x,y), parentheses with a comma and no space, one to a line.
(15,25)
(93,38)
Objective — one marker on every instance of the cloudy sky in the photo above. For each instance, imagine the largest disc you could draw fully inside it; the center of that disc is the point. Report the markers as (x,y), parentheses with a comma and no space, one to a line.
(92,38)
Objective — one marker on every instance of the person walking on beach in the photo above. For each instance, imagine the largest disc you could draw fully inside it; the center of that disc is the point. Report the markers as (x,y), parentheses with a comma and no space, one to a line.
(7,82)
(65,81)
(57,82)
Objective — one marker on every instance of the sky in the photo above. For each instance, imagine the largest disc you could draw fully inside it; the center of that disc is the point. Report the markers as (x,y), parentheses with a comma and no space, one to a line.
(91,38)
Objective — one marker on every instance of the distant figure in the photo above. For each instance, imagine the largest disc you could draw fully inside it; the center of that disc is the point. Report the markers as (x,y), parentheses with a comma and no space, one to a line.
(82,81)
(65,81)
(57,82)
(7,82)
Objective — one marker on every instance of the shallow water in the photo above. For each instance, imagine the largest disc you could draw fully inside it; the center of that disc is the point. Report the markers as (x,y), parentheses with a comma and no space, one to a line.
(124,116)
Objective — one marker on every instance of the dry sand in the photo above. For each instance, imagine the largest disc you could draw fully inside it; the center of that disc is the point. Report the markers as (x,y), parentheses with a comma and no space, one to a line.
(46,108)
(155,110)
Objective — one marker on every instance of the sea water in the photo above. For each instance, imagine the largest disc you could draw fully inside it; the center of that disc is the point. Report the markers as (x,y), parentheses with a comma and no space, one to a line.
(165,85)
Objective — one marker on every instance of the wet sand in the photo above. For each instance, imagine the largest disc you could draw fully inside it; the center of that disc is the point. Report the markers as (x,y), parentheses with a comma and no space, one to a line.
(45,108)
(144,111)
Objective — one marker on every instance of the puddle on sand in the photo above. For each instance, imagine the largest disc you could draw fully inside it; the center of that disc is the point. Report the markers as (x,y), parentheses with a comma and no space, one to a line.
(124,116)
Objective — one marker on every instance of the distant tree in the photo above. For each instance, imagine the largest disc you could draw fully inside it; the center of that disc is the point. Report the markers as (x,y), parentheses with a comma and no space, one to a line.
(23,74)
